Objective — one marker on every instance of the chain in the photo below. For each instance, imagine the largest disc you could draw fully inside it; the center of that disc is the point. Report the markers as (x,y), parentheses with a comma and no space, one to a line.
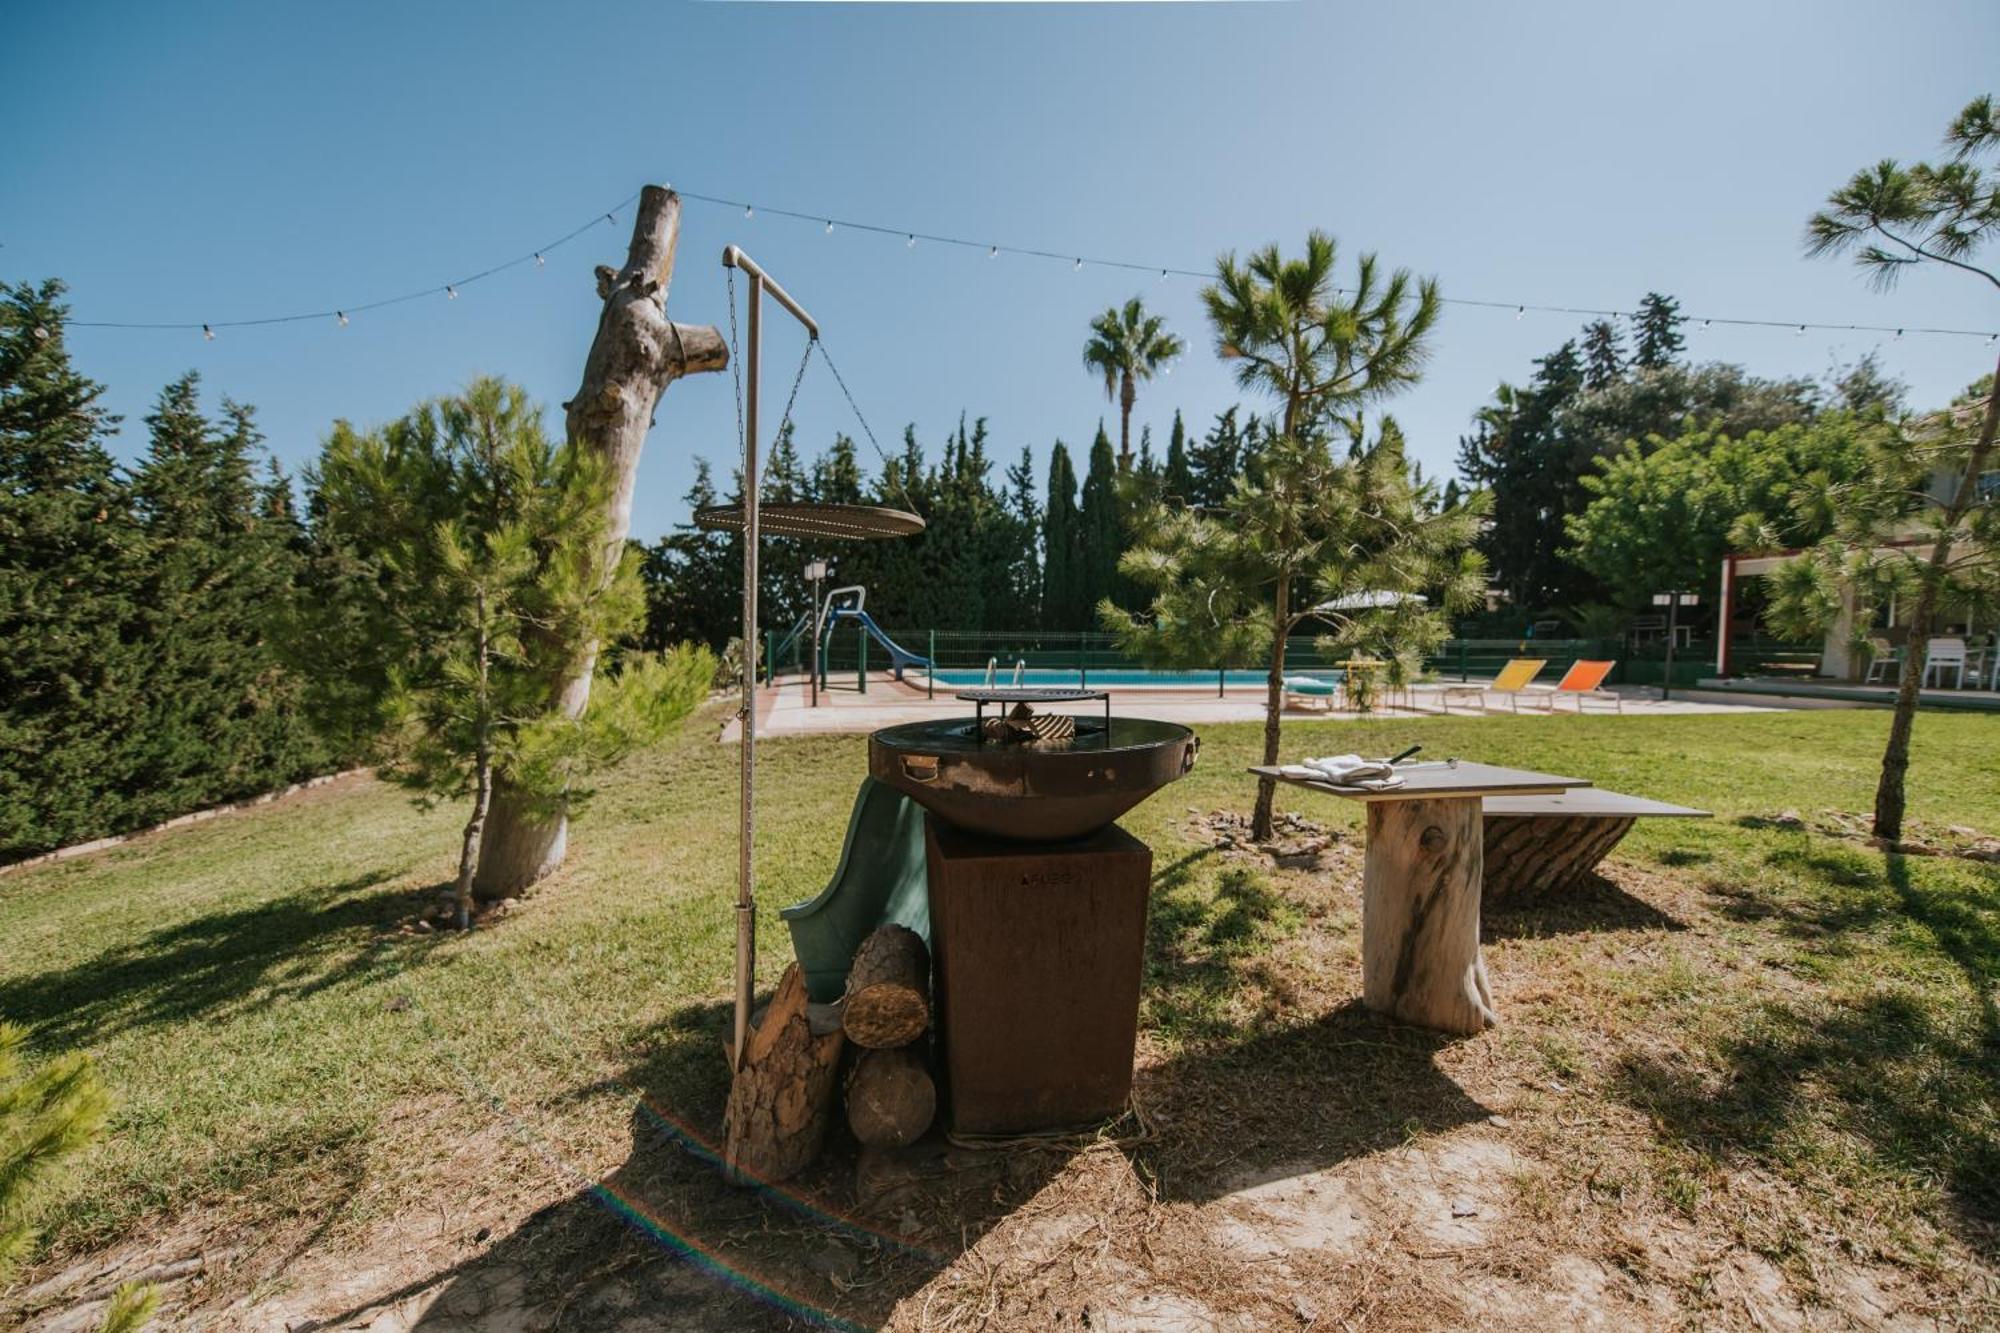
(735,361)
(797,380)
(887,467)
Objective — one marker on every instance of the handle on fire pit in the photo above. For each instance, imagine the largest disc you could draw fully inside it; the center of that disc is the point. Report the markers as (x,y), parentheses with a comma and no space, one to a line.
(1188,756)
(920,767)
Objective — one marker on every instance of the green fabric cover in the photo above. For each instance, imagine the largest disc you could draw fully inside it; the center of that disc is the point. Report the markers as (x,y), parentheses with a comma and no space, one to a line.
(881,878)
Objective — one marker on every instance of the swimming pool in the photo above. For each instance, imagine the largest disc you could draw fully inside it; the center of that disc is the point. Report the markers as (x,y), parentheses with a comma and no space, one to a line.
(1061,676)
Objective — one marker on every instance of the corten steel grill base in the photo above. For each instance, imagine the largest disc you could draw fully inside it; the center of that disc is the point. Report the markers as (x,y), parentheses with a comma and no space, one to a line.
(1038,950)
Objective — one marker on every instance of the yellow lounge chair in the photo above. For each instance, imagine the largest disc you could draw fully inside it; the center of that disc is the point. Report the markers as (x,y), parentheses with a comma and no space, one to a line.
(1513,678)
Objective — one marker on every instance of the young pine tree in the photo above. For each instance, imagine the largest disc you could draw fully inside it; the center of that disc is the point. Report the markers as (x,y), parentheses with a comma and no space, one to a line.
(489,554)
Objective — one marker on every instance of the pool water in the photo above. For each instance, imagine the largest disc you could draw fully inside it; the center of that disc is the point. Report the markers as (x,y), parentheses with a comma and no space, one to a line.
(1099,677)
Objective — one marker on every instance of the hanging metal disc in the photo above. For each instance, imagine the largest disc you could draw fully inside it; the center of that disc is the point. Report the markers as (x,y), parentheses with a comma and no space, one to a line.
(851,522)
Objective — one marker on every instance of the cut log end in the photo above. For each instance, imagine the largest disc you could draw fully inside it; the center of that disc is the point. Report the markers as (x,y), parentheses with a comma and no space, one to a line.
(891,1099)
(888,989)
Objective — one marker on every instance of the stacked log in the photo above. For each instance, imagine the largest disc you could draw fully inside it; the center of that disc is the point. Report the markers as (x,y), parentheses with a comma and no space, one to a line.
(886,1013)
(781,1098)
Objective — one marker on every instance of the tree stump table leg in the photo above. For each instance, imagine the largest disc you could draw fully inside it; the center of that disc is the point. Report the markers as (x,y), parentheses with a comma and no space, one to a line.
(1534,854)
(1420,887)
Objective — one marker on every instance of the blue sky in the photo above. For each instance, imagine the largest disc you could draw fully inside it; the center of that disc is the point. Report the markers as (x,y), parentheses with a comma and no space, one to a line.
(231,161)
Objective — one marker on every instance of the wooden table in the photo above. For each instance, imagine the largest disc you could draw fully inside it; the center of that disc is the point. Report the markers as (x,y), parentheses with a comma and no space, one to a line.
(1421,881)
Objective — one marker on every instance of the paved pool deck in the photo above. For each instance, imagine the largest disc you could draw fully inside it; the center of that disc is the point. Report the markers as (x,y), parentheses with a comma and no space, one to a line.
(785,709)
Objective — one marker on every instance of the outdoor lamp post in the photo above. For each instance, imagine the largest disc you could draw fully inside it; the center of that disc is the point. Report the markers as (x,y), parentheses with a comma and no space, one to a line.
(815,574)
(1673,601)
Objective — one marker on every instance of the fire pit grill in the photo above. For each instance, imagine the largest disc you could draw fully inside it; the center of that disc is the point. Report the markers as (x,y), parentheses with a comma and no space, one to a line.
(1031,792)
(1030,694)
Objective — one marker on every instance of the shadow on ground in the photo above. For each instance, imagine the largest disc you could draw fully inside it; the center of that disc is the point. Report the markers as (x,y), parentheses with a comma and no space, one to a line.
(1888,1073)
(275,950)
(1594,905)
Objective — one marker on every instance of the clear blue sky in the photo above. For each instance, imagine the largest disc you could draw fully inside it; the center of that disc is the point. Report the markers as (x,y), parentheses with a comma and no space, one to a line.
(230,161)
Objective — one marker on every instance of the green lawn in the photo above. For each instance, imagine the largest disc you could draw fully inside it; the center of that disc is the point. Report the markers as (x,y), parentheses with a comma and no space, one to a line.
(1765,1005)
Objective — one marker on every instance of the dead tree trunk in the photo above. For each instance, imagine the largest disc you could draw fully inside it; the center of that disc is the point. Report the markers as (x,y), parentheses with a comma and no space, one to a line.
(781,1100)
(636,354)
(888,989)
(891,1099)
(1420,958)
(1531,854)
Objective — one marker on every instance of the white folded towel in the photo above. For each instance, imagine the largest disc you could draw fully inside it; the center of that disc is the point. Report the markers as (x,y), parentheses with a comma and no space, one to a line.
(1351,770)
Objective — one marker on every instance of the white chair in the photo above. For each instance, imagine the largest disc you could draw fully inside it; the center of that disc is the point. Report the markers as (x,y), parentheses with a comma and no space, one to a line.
(1945,654)
(1882,661)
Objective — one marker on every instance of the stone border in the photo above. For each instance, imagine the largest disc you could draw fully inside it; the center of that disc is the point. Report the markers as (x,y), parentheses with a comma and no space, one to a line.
(192,817)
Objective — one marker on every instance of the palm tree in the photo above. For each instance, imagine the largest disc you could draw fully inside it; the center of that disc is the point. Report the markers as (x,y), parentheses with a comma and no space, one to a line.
(1127,346)
(1325,353)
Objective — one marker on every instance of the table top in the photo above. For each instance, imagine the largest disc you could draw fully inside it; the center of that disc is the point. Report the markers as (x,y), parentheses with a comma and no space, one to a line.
(1593,801)
(1439,781)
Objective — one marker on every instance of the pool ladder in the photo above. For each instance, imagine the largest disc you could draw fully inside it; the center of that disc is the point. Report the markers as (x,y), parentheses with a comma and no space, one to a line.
(993,671)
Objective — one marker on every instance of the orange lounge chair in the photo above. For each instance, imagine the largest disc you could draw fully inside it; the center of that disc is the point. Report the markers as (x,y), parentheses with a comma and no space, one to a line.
(1511,681)
(1584,680)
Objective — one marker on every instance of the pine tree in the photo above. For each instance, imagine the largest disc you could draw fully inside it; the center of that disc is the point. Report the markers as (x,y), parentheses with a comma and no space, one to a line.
(224,716)
(1603,358)
(1660,341)
(493,582)
(71,689)
(1063,606)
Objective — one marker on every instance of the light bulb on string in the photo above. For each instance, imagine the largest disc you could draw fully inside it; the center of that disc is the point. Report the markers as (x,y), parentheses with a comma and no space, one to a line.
(539,261)
(207,333)
(992,252)
(608,218)
(450,292)
(749,211)
(1078,267)
(1899,335)
(910,243)
(1799,332)
(341,316)
(1519,311)
(829,226)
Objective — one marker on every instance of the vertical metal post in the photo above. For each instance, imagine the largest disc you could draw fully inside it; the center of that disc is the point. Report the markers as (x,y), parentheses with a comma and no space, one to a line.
(1673,609)
(1222,681)
(861,635)
(814,668)
(930,677)
(746,901)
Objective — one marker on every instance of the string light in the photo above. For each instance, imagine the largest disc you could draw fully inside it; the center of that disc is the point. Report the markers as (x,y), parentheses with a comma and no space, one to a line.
(1076,262)
(749,212)
(450,292)
(341,315)
(208,333)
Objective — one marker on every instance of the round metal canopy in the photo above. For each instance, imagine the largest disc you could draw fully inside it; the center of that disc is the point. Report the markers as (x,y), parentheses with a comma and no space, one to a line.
(853,522)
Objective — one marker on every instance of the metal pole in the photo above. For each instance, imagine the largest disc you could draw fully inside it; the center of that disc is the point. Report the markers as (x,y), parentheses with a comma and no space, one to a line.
(1673,607)
(814,668)
(930,677)
(746,901)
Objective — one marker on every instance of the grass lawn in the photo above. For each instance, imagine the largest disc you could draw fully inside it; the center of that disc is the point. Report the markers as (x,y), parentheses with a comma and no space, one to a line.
(1751,1076)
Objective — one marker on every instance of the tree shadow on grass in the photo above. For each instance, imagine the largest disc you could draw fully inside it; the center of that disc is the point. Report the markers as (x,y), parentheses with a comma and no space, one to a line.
(1893,1074)
(282,948)
(1597,904)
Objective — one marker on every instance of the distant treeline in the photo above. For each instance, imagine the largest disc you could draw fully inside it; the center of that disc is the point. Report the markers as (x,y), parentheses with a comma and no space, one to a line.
(1001,550)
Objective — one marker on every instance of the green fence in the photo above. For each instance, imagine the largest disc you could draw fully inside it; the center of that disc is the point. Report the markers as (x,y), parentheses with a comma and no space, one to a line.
(1455,659)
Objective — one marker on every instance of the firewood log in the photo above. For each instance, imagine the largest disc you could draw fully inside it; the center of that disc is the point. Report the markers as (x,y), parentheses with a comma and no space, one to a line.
(890,1097)
(888,989)
(782,1097)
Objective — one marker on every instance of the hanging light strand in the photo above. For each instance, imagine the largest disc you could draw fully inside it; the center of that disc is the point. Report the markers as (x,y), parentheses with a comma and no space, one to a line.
(993,250)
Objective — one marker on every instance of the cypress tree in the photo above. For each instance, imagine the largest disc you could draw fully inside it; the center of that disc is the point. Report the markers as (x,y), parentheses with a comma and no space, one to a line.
(1102,521)
(1178,479)
(1026,511)
(1063,607)
(70,684)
